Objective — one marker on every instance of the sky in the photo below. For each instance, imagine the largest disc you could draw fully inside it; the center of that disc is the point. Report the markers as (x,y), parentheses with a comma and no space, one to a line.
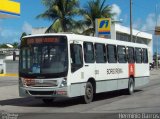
(144,13)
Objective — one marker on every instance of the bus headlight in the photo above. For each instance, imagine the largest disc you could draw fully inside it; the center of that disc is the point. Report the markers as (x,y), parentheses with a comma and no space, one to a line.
(64,83)
(28,81)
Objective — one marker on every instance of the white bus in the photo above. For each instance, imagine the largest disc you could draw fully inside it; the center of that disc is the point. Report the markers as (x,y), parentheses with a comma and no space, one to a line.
(69,65)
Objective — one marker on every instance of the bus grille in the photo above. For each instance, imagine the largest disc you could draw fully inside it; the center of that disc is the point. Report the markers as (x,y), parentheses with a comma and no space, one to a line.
(44,83)
(41,92)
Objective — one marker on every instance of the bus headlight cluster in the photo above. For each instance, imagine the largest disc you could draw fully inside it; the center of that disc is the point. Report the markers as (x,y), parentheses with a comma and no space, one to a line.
(64,83)
(28,82)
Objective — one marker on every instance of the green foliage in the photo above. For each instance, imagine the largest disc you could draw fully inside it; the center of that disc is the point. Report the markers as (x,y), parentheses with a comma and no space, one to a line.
(23,34)
(15,45)
(1,71)
(61,12)
(22,41)
(3,46)
(95,9)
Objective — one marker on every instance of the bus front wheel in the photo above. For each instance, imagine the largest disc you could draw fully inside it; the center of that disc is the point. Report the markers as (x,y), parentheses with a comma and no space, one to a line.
(88,97)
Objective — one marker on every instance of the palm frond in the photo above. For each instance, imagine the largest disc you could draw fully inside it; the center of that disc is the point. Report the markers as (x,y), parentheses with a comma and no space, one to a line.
(62,10)
(95,9)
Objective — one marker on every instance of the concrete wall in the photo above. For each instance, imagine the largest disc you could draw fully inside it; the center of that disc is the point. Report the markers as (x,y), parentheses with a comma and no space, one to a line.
(1,65)
(10,67)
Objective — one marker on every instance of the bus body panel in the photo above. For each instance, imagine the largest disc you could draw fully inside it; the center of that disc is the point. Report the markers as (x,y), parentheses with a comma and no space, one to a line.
(141,81)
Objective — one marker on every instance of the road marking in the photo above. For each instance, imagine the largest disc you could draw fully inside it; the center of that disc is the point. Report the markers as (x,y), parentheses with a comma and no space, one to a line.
(3,75)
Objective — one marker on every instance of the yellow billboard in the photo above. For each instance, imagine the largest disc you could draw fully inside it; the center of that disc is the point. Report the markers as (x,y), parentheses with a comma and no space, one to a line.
(9,7)
(103,26)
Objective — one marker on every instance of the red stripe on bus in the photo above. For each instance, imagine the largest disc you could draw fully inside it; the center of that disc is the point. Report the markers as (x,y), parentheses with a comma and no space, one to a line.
(131,69)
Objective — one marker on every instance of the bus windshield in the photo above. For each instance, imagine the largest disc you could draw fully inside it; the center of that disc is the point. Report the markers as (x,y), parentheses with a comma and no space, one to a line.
(43,56)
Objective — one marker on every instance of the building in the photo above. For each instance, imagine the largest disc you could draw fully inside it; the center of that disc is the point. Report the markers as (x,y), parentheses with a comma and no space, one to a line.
(8,61)
(120,32)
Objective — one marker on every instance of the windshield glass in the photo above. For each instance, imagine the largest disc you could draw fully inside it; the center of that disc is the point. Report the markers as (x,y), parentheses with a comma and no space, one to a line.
(44,55)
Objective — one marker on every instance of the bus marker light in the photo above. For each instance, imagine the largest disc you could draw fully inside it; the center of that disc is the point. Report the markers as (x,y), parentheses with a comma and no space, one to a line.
(61,92)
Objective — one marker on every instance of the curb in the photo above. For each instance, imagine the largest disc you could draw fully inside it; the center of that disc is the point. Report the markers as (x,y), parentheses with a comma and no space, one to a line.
(12,75)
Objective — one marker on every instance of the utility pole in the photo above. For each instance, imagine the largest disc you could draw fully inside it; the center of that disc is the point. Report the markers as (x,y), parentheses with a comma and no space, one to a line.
(156,28)
(131,36)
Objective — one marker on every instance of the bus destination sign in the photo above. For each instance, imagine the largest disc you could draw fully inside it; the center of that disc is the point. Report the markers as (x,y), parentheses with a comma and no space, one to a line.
(42,40)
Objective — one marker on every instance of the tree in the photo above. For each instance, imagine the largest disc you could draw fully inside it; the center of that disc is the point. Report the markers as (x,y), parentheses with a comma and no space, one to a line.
(3,46)
(62,13)
(95,9)
(23,34)
(23,41)
(15,44)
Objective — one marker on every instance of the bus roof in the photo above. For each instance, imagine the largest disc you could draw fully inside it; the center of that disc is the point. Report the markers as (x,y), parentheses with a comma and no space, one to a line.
(77,37)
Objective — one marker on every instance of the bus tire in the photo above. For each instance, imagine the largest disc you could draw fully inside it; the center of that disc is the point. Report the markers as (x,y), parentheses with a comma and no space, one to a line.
(131,85)
(47,101)
(89,92)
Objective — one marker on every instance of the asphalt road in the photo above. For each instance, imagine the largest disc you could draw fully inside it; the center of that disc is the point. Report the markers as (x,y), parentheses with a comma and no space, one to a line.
(106,105)
(8,81)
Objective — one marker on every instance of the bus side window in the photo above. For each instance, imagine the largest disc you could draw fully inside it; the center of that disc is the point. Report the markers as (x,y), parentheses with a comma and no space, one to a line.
(100,53)
(112,53)
(145,55)
(76,57)
(138,54)
(131,55)
(121,51)
(89,52)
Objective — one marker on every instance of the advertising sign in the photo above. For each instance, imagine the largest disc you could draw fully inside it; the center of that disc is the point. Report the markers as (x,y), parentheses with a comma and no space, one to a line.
(103,26)
(9,8)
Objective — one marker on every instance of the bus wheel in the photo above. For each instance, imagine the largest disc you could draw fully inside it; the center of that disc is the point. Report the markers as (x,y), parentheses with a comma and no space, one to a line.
(130,89)
(48,101)
(88,97)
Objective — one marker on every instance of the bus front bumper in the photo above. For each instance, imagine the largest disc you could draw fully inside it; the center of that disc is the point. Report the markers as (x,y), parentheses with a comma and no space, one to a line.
(43,92)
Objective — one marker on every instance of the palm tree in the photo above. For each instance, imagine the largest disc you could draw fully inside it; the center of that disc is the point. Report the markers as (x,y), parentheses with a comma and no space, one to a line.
(95,9)
(62,13)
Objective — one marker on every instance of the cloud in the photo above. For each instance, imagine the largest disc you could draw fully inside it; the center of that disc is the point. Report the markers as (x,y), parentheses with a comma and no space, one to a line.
(125,18)
(150,22)
(138,23)
(27,28)
(158,20)
(11,35)
(148,25)
(116,9)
